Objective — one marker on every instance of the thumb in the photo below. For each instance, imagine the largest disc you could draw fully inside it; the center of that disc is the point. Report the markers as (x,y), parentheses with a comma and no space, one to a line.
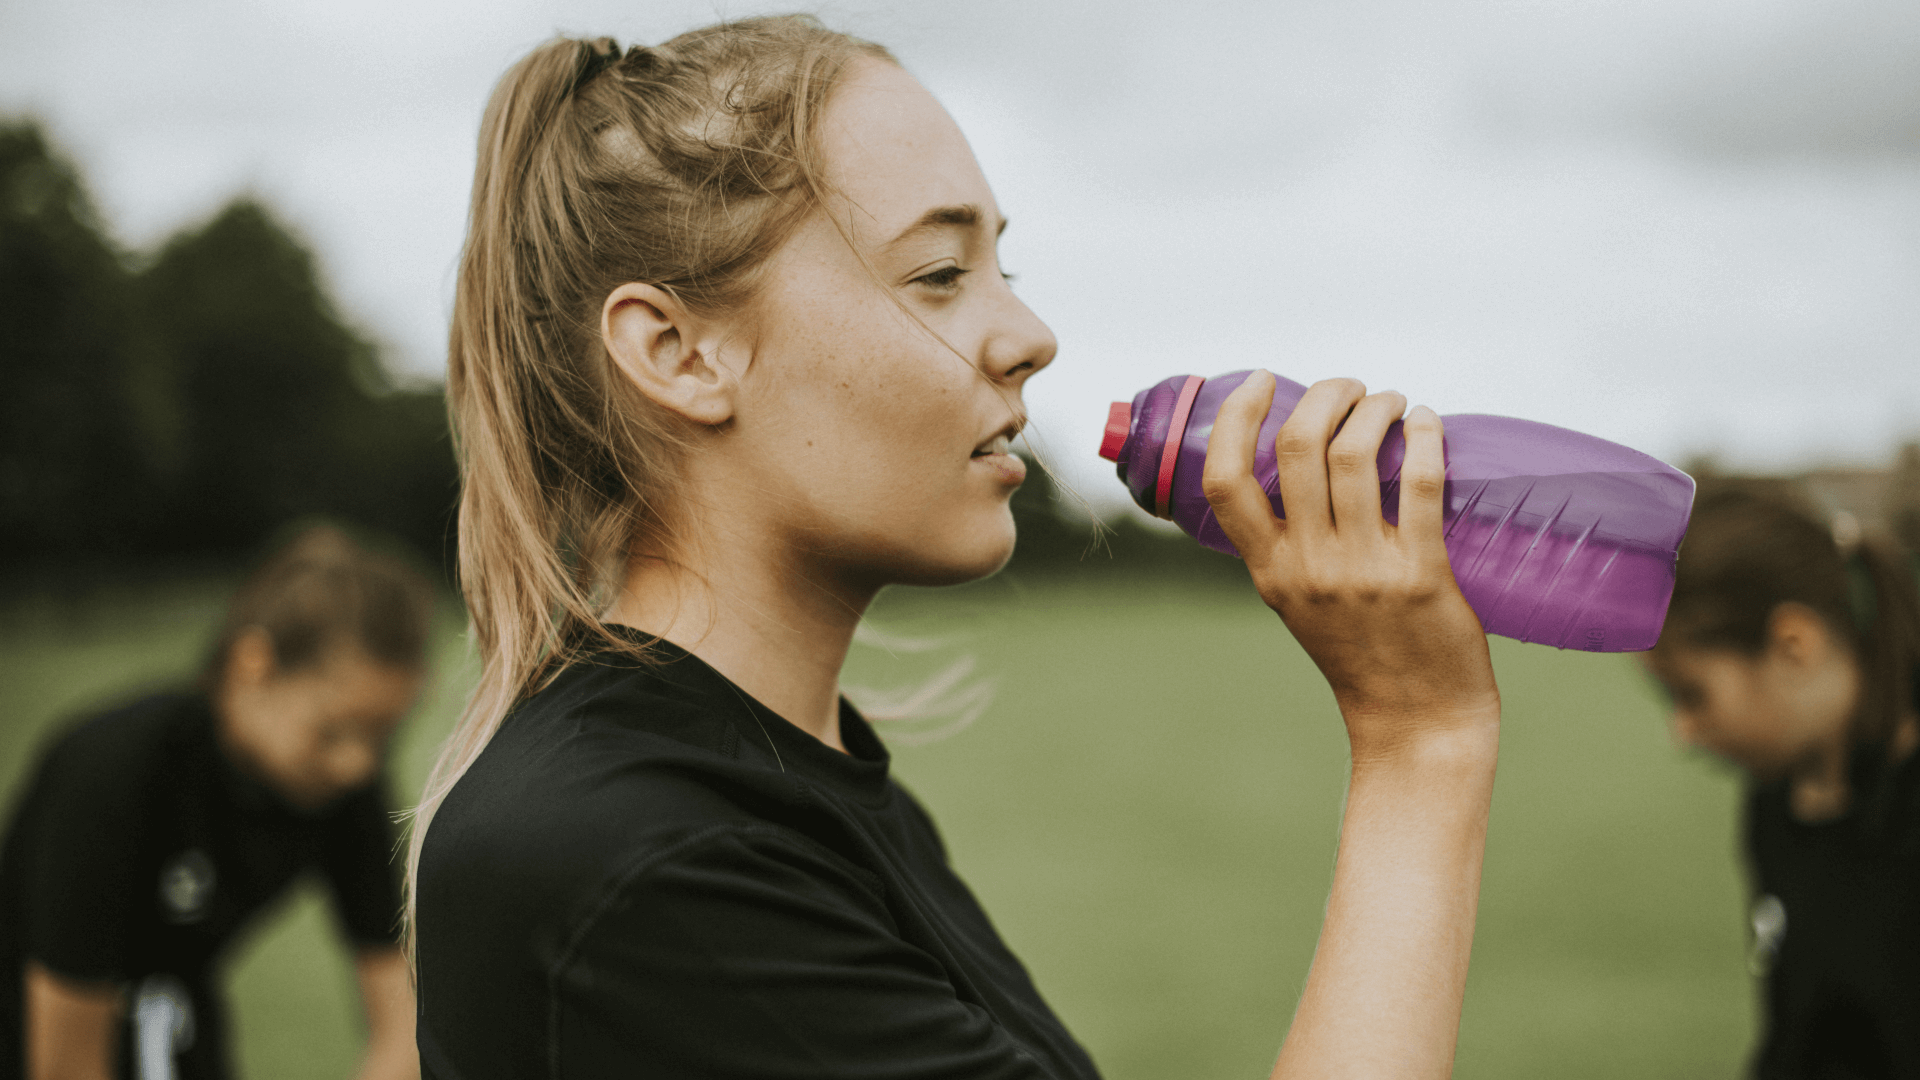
(1239,504)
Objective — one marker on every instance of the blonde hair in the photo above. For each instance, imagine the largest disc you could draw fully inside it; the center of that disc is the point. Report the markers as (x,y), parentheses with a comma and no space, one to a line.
(684,166)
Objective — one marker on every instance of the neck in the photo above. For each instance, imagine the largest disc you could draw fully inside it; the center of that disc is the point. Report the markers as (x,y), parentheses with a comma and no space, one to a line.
(1819,790)
(776,626)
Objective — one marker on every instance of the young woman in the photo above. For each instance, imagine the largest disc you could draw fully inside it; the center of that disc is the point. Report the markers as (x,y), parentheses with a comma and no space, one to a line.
(151,835)
(1794,657)
(731,353)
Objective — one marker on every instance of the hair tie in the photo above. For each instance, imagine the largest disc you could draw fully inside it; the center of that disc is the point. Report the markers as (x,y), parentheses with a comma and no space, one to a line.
(1862,600)
(600,54)
(1862,603)
(641,58)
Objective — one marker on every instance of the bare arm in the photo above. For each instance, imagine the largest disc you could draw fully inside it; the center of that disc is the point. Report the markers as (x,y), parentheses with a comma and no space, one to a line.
(71,1027)
(386,990)
(1376,607)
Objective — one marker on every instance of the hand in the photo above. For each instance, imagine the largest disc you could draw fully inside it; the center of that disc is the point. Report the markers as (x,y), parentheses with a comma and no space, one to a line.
(1375,605)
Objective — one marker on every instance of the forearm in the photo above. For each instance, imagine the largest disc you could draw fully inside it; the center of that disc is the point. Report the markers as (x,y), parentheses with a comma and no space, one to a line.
(1384,995)
(386,990)
(390,1057)
(69,1027)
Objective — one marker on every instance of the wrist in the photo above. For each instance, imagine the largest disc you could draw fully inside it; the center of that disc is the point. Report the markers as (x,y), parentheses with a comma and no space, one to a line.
(1459,741)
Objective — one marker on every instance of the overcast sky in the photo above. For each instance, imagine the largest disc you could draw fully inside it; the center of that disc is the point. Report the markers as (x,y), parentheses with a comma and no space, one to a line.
(1686,225)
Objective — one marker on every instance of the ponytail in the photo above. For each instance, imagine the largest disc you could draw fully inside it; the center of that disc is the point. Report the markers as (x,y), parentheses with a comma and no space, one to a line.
(684,166)
(1885,608)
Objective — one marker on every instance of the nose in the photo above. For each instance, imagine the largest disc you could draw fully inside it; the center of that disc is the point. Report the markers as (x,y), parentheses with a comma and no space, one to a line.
(1019,345)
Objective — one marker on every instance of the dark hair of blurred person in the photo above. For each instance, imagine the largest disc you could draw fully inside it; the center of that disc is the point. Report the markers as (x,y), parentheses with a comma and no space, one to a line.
(151,834)
(1790,650)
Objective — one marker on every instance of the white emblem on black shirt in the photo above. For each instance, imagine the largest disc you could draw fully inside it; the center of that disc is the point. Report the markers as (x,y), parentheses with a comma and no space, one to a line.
(1769,931)
(186,886)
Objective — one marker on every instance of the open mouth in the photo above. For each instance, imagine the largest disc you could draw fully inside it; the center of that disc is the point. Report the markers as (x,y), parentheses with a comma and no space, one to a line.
(999,444)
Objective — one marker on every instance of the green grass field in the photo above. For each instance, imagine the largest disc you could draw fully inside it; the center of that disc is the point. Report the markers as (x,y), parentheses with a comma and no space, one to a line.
(1149,810)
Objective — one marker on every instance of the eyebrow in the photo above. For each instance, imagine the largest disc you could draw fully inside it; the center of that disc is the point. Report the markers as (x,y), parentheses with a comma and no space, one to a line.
(965,216)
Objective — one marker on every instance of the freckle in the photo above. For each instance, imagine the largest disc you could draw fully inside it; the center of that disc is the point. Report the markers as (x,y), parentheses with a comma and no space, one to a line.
(809,444)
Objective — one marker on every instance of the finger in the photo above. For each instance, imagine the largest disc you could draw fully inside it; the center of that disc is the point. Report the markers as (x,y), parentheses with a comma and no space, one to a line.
(1423,483)
(1239,504)
(1300,452)
(1353,469)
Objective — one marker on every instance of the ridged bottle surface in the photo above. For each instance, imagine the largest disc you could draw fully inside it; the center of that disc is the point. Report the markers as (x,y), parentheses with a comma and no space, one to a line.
(1554,536)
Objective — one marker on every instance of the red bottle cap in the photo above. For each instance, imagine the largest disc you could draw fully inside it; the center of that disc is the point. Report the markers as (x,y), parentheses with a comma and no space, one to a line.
(1119,419)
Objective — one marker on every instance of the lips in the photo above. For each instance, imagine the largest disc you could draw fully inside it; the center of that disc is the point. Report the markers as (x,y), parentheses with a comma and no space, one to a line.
(996,454)
(999,444)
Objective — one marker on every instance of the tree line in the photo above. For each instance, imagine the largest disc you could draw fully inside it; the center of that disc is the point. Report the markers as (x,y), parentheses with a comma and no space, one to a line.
(188,402)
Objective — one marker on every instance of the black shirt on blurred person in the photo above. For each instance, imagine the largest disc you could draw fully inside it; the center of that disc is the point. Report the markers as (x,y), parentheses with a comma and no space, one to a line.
(649,873)
(140,849)
(1836,921)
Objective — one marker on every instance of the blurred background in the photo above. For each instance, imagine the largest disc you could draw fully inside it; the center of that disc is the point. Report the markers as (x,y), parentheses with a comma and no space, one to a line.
(228,233)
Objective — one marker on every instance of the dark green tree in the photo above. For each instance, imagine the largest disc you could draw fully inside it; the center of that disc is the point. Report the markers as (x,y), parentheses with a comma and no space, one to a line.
(80,447)
(287,410)
(1903,496)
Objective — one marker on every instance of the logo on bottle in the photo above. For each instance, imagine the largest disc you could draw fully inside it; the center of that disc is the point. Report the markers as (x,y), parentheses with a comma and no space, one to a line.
(186,886)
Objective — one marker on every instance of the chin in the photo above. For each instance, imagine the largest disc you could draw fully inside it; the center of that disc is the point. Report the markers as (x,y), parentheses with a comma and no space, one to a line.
(982,554)
(1762,770)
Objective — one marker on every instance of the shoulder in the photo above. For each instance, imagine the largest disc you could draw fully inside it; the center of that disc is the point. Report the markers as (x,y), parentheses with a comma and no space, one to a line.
(119,750)
(600,769)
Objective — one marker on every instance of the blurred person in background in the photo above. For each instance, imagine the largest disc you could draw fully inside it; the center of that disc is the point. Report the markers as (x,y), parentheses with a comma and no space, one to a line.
(150,835)
(732,352)
(1790,650)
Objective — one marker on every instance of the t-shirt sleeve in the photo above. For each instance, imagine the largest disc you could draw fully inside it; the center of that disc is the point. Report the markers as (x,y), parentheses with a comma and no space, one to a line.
(84,886)
(358,859)
(750,952)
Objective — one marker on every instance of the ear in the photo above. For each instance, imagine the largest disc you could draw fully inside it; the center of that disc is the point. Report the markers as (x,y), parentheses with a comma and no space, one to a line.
(662,349)
(250,659)
(1797,634)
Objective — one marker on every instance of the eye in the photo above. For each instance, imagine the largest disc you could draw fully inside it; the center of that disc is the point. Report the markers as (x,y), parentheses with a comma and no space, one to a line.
(944,280)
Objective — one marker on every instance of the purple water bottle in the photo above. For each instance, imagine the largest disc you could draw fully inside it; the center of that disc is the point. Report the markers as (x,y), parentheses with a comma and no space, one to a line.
(1554,536)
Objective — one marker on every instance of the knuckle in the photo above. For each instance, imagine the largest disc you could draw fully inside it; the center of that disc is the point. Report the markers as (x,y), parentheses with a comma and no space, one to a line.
(1425,485)
(1294,443)
(1320,587)
(1217,487)
(1347,460)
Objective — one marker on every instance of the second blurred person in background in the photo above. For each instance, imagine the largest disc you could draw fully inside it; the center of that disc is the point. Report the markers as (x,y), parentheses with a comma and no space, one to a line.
(1793,655)
(151,835)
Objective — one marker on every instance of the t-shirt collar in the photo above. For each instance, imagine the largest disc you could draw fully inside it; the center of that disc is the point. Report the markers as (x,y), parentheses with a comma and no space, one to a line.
(860,773)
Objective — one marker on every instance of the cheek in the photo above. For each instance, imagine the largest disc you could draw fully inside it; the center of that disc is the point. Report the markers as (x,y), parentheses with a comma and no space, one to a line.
(888,423)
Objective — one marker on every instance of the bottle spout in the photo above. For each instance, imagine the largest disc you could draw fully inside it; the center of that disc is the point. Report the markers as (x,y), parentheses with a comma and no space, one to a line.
(1119,420)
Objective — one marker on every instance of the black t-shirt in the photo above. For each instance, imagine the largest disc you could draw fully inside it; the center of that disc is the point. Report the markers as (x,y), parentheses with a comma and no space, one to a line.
(1836,920)
(139,850)
(648,873)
